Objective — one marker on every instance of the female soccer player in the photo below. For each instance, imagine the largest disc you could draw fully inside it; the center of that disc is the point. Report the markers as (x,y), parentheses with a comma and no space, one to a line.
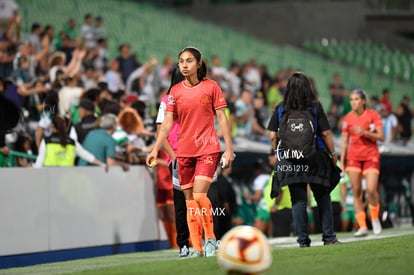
(195,102)
(170,146)
(360,157)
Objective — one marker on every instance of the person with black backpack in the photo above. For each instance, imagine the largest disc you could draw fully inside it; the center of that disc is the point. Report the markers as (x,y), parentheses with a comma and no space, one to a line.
(305,154)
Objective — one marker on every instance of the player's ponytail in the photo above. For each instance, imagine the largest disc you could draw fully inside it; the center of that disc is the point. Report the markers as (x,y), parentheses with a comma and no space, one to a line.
(202,71)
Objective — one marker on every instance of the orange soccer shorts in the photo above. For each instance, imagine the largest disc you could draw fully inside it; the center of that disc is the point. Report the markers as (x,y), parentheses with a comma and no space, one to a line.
(190,168)
(363,166)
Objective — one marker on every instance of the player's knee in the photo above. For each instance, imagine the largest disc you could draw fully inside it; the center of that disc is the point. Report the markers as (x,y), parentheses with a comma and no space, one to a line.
(199,196)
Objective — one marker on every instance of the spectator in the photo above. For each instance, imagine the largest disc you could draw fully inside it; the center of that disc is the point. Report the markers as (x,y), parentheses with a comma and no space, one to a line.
(338,93)
(261,117)
(166,69)
(273,95)
(386,100)
(9,9)
(87,32)
(69,95)
(114,79)
(87,123)
(66,46)
(390,124)
(99,31)
(266,80)
(100,56)
(4,150)
(8,51)
(57,62)
(251,77)
(49,35)
(218,72)
(27,86)
(375,103)
(101,144)
(261,179)
(50,109)
(60,150)
(23,145)
(244,114)
(89,78)
(143,82)
(133,126)
(405,115)
(234,81)
(34,37)
(70,30)
(127,61)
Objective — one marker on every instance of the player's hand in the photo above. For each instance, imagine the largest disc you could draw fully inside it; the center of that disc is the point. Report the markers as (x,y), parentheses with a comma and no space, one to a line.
(151,160)
(227,159)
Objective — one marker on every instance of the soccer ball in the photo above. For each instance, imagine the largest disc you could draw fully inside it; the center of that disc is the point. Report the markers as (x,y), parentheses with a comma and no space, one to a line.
(244,250)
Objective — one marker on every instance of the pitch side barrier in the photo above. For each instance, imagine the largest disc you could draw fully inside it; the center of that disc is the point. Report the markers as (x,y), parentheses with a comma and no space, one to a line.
(56,214)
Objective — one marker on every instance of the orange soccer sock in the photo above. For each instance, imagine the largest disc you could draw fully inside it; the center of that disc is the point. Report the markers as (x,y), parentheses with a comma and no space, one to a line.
(206,214)
(171,233)
(193,212)
(374,212)
(361,219)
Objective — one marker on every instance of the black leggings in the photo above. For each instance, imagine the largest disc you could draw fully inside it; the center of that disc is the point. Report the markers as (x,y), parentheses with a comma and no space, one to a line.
(181,218)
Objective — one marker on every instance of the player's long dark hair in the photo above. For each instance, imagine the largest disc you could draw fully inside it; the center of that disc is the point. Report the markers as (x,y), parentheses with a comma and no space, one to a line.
(176,77)
(202,71)
(299,94)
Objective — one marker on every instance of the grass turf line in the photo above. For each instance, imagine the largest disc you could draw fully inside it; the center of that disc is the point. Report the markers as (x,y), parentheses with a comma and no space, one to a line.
(380,256)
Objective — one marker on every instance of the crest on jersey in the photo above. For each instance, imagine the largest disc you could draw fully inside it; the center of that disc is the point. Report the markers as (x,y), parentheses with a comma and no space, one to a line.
(171,100)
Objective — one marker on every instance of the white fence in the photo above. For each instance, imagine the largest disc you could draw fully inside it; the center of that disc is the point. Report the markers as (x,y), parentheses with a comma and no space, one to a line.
(52,209)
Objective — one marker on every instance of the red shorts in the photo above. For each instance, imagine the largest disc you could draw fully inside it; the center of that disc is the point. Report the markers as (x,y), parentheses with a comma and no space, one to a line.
(363,166)
(192,168)
(164,197)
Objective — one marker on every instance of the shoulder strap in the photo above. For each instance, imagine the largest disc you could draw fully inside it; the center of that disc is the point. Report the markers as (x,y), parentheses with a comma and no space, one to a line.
(315,119)
(279,112)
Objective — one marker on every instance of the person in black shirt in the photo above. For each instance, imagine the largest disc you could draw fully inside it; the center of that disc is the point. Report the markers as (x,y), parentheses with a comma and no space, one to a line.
(88,120)
(315,170)
(405,116)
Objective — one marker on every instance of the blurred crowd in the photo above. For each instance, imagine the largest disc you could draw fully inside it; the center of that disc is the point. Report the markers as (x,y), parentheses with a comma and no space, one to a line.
(67,71)
(70,90)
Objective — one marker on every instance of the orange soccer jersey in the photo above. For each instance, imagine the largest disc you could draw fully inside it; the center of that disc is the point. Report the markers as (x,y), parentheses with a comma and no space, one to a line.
(361,147)
(195,108)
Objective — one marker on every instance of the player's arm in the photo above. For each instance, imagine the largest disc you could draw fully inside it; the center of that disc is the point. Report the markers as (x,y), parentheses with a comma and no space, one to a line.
(224,125)
(167,146)
(344,149)
(376,135)
(273,139)
(164,130)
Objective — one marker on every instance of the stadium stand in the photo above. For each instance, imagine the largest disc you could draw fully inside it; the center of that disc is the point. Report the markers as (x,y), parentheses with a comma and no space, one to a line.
(156,31)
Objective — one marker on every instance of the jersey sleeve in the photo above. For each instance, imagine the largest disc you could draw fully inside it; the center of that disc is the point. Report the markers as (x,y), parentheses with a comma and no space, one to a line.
(171,102)
(377,120)
(345,128)
(218,98)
